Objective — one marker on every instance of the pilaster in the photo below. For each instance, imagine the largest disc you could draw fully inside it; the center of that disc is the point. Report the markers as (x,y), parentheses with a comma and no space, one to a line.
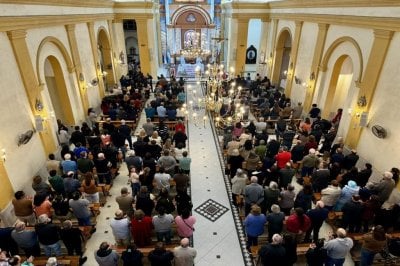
(293,57)
(376,59)
(78,67)
(319,48)
(93,45)
(241,44)
(274,72)
(21,53)
(143,39)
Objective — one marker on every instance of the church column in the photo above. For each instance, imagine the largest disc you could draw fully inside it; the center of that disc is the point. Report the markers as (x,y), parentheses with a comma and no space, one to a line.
(32,88)
(114,51)
(241,44)
(263,45)
(144,49)
(274,72)
(78,68)
(119,46)
(376,59)
(293,58)
(7,192)
(93,43)
(319,49)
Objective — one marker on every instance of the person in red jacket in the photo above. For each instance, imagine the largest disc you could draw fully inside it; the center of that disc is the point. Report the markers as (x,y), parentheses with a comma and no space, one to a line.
(297,224)
(141,228)
(283,157)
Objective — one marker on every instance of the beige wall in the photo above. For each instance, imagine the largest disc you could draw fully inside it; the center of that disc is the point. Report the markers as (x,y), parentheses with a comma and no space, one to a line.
(16,118)
(384,153)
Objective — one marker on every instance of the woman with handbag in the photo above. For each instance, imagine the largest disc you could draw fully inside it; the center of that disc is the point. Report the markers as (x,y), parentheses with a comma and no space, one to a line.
(184,224)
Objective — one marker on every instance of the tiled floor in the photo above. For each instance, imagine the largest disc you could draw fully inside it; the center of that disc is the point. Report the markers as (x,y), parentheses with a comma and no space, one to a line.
(218,238)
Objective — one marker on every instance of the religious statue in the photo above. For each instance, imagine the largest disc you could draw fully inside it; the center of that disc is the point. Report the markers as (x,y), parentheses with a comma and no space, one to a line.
(122,57)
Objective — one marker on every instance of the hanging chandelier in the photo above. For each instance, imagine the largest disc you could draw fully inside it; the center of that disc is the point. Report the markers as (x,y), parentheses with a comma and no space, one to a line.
(220,97)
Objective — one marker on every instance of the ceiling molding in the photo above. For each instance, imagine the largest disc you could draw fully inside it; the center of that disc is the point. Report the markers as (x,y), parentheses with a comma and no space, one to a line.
(75,3)
(136,16)
(131,5)
(332,3)
(17,23)
(383,23)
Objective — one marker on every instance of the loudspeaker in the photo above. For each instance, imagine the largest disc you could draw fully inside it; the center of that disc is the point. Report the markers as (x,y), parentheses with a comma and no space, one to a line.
(364,119)
(39,123)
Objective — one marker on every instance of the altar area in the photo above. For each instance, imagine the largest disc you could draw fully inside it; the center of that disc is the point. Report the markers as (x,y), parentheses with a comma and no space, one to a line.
(188,36)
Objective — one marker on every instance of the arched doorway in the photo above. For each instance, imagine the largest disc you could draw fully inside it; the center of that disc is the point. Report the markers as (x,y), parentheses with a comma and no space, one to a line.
(105,57)
(57,89)
(341,92)
(281,67)
(342,69)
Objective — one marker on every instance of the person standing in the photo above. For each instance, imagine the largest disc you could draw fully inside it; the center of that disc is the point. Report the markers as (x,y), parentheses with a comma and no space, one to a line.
(120,228)
(317,216)
(254,226)
(273,253)
(297,224)
(23,208)
(26,239)
(80,208)
(72,238)
(160,256)
(125,202)
(372,243)
(48,235)
(253,194)
(184,254)
(238,185)
(184,223)
(105,256)
(337,248)
(163,225)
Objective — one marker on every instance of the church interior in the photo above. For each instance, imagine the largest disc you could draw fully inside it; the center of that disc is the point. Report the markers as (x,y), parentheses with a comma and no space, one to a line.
(222,67)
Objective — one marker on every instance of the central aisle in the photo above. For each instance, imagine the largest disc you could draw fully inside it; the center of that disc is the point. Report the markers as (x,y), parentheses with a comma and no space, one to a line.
(216,237)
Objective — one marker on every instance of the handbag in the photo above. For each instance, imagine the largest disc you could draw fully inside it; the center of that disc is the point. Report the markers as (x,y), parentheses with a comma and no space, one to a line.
(188,225)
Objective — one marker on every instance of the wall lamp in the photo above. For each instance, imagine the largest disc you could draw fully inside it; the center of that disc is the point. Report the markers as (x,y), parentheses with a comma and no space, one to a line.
(312,76)
(3,154)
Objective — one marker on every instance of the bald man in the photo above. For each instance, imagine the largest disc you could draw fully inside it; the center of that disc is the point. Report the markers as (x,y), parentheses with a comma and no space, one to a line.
(184,255)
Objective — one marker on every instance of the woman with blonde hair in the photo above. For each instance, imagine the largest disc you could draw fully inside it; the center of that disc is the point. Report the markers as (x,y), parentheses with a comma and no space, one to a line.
(168,146)
(156,137)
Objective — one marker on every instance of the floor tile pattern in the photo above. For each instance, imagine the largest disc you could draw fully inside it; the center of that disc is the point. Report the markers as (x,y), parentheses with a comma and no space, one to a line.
(211,210)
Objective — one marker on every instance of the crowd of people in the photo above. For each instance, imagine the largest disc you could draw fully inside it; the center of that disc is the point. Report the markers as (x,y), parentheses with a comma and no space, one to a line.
(308,152)
(92,155)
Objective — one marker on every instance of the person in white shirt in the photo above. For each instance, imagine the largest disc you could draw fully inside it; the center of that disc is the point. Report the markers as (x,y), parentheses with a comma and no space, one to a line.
(162,179)
(120,228)
(261,125)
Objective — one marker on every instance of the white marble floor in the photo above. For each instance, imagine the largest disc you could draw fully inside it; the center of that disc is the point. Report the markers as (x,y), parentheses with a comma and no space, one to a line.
(217,242)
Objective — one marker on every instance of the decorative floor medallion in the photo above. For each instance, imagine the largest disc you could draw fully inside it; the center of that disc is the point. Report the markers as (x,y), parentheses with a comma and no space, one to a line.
(211,210)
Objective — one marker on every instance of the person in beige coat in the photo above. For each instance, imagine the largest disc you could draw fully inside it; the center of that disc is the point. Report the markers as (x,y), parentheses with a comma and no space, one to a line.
(239,182)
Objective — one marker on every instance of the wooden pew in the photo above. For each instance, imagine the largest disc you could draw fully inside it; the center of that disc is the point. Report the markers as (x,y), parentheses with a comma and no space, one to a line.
(62,260)
(145,250)
(117,123)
